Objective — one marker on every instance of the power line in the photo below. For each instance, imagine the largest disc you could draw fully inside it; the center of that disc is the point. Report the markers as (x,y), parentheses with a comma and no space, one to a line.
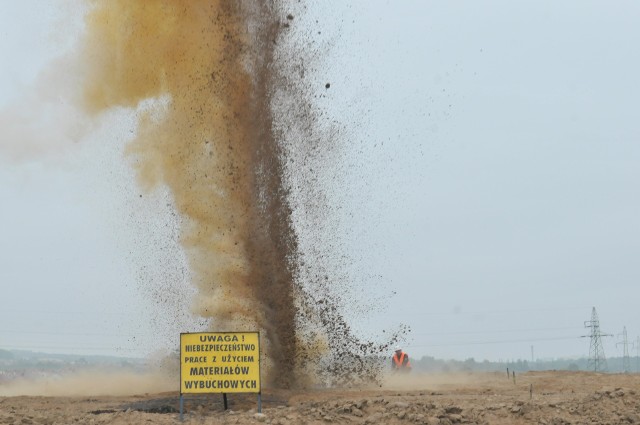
(449,344)
(496,331)
(499,312)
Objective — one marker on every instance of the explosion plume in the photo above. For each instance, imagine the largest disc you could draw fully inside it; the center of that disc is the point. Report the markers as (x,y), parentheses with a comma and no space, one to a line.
(208,66)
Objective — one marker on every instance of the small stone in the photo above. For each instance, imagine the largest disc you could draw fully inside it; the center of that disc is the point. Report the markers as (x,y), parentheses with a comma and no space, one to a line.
(400,404)
(373,419)
(260,417)
(356,412)
(606,390)
(632,418)
(455,418)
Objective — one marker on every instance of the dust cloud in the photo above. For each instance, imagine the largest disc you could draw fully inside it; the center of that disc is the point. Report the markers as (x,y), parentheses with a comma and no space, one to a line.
(208,89)
(44,120)
(434,381)
(210,143)
(87,382)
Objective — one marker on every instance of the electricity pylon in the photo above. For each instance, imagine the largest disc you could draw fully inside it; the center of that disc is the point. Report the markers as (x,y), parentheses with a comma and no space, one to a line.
(597,360)
(626,364)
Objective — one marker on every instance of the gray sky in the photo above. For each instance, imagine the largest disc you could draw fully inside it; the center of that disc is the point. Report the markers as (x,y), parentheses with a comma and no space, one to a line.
(491,181)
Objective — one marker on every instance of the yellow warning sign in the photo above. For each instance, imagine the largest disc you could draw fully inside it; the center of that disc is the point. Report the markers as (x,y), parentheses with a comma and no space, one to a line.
(220,362)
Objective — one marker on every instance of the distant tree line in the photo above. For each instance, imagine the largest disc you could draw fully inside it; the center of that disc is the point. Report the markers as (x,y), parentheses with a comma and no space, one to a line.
(431,364)
(24,360)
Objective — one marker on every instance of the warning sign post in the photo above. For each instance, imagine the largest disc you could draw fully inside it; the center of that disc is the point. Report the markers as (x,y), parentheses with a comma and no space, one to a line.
(219,362)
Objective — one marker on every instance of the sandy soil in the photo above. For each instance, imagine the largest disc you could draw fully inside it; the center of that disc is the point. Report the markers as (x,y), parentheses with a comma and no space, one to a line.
(551,398)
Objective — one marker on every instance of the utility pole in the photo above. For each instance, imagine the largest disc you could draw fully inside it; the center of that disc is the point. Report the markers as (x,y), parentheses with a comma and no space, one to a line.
(532,358)
(532,354)
(597,360)
(637,346)
(626,364)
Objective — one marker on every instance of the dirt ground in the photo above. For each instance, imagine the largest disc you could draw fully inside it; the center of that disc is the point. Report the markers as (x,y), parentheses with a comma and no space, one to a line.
(550,397)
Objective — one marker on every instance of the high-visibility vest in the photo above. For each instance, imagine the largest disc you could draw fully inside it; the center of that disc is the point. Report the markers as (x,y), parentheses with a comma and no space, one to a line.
(399,361)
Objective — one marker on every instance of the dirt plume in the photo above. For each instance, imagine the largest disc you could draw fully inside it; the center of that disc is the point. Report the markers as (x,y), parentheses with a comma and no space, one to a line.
(208,90)
(207,137)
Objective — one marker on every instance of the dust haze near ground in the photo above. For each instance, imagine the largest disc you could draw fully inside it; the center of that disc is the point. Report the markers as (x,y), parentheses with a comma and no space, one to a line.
(98,382)
(204,80)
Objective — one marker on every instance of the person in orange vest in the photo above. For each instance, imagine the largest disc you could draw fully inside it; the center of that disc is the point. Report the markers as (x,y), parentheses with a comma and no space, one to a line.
(400,361)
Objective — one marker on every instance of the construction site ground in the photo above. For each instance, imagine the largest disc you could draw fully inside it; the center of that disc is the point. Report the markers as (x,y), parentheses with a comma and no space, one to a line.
(545,397)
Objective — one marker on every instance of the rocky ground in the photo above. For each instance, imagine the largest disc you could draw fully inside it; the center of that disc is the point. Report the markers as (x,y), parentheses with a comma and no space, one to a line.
(551,398)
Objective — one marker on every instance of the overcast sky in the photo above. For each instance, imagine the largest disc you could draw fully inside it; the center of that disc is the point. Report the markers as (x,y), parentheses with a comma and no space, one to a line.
(496,145)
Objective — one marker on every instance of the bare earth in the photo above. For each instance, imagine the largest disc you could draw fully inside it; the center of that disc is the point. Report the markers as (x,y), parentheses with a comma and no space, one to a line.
(481,398)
